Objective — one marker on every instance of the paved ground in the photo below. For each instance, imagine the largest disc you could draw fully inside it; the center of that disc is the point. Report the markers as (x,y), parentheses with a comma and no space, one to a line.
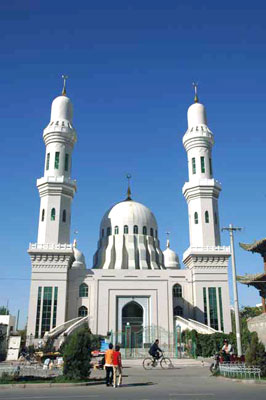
(182,383)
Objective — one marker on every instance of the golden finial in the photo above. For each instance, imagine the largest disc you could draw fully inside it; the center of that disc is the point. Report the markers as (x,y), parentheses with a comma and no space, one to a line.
(195,85)
(65,77)
(128,188)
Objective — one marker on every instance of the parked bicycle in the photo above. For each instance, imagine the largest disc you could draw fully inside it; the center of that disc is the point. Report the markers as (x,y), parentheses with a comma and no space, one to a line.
(152,362)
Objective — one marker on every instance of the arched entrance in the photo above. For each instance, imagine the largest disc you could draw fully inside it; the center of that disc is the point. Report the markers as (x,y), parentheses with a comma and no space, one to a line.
(132,325)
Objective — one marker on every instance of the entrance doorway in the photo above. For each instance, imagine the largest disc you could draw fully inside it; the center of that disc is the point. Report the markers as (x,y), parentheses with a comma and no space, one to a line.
(132,325)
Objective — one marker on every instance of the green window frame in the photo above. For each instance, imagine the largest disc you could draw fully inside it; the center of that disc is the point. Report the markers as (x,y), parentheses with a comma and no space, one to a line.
(144,230)
(83,290)
(56,160)
(207,218)
(177,290)
(116,230)
(210,166)
(196,218)
(202,164)
(53,214)
(125,229)
(64,216)
(151,231)
(213,308)
(221,308)
(193,165)
(55,306)
(109,231)
(39,299)
(46,309)
(205,306)
(47,161)
(83,311)
(135,229)
(43,214)
(66,162)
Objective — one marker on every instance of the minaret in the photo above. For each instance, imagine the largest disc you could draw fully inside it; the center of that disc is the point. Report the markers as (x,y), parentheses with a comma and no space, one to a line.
(202,190)
(56,187)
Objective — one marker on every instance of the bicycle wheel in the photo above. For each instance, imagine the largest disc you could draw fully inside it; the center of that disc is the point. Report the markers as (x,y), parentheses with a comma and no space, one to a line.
(148,363)
(166,363)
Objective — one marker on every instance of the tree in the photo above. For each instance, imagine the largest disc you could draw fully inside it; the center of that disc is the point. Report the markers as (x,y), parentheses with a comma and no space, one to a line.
(76,353)
(4,310)
(255,354)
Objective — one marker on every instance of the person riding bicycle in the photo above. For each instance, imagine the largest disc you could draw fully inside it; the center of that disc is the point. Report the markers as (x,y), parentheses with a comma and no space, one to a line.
(155,350)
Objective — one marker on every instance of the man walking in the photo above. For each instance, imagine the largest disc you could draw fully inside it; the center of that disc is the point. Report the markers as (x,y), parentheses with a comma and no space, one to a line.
(117,366)
(109,365)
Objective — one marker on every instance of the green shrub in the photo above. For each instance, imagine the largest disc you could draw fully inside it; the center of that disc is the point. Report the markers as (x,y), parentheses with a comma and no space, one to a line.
(255,354)
(76,353)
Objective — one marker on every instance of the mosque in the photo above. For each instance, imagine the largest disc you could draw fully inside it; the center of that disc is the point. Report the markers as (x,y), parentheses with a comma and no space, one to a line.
(132,289)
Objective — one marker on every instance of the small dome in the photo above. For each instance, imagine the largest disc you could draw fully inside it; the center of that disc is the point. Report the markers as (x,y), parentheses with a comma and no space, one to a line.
(62,109)
(79,257)
(171,259)
(129,213)
(196,115)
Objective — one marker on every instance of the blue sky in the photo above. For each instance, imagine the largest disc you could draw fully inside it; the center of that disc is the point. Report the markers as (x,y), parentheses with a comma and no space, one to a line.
(131,65)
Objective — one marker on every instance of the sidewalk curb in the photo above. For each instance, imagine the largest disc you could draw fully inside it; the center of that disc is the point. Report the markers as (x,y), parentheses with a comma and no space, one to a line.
(246,381)
(48,385)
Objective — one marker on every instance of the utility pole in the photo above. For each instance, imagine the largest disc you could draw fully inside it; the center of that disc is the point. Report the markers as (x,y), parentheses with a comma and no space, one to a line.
(231,230)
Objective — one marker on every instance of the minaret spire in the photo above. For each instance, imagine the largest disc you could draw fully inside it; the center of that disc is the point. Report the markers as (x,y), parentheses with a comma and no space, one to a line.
(128,188)
(167,240)
(195,85)
(65,77)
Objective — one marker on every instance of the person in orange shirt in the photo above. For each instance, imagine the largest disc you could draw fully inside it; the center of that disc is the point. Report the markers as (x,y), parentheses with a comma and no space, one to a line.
(109,365)
(117,366)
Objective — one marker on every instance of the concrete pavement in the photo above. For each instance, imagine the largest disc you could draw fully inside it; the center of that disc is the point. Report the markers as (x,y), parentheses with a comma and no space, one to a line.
(182,383)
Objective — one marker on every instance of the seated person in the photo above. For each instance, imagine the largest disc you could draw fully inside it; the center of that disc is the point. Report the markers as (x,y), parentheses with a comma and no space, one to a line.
(155,350)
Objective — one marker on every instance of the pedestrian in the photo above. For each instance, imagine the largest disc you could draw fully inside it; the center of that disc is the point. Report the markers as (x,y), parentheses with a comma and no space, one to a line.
(117,367)
(109,365)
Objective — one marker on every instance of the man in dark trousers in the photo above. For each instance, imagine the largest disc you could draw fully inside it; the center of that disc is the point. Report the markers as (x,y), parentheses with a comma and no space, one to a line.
(155,350)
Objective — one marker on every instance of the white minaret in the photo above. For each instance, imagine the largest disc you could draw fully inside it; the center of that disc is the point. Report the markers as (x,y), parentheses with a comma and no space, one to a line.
(202,190)
(56,187)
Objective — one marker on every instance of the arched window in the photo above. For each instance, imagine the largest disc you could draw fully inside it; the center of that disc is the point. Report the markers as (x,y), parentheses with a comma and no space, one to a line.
(151,231)
(144,230)
(196,218)
(116,230)
(109,231)
(135,229)
(215,219)
(125,229)
(156,234)
(53,214)
(64,216)
(102,232)
(83,311)
(207,219)
(83,290)
(178,311)
(43,214)
(177,290)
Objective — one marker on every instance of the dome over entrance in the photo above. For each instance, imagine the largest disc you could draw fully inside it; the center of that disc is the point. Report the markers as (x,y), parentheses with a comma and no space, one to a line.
(128,238)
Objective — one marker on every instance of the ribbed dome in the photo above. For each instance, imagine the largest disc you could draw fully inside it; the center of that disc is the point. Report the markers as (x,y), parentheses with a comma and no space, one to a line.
(129,213)
(128,238)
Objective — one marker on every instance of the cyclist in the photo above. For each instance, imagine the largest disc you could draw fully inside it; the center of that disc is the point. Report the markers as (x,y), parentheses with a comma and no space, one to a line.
(155,350)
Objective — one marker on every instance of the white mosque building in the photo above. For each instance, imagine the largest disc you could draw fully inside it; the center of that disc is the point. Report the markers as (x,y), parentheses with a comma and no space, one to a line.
(132,285)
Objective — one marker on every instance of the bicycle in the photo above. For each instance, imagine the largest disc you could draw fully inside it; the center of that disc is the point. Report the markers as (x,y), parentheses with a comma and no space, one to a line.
(152,362)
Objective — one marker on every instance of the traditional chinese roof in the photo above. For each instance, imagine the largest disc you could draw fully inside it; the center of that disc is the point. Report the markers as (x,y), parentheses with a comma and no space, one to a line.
(258,246)
(256,280)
